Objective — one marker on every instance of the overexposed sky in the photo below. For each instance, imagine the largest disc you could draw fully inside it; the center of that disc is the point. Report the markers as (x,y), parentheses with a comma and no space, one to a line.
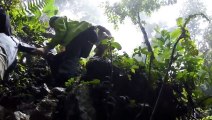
(128,35)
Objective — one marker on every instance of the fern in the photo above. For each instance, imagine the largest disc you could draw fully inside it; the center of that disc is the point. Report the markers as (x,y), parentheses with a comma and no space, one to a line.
(37,7)
(26,17)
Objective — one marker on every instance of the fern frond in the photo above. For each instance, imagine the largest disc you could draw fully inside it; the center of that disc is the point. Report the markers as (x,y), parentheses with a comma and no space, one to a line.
(37,7)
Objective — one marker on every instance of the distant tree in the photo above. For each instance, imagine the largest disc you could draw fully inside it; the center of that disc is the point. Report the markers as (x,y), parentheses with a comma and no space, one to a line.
(203,34)
(207,38)
(203,38)
(135,9)
(194,7)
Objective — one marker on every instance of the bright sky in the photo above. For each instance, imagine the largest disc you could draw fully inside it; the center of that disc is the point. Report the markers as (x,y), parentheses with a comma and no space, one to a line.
(128,35)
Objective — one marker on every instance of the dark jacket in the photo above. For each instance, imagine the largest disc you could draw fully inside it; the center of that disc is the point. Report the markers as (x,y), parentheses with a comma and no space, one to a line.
(9,47)
(5,26)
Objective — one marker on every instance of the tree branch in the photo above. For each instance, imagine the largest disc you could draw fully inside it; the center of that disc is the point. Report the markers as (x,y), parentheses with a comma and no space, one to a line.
(165,79)
(149,48)
(167,71)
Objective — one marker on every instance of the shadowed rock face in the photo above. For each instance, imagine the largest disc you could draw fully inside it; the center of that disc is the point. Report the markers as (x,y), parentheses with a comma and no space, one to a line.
(128,99)
(98,68)
(116,98)
(113,98)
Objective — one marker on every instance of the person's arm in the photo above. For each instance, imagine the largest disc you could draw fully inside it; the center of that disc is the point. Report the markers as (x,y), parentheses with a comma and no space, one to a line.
(54,42)
(60,31)
(24,47)
(21,46)
(48,35)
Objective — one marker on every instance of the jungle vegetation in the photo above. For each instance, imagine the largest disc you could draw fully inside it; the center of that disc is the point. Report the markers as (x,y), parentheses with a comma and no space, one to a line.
(175,65)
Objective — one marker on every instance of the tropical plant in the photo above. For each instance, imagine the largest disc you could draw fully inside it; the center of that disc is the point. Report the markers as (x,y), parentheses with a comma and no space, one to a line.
(174,57)
(134,9)
(173,60)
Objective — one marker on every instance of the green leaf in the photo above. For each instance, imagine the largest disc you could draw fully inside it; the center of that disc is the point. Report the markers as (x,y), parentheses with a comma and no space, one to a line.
(132,70)
(104,42)
(93,82)
(116,45)
(50,8)
(208,101)
(207,118)
(176,33)
(70,82)
(145,51)
(166,54)
(180,22)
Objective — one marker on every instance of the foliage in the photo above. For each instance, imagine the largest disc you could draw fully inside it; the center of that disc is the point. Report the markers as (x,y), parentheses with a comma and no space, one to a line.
(111,46)
(25,19)
(177,62)
(128,64)
(28,28)
(77,82)
(194,7)
(131,8)
(177,59)
(37,7)
(207,118)
(185,65)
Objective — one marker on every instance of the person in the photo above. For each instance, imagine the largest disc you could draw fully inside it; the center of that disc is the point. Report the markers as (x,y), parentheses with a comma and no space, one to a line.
(5,26)
(9,46)
(78,39)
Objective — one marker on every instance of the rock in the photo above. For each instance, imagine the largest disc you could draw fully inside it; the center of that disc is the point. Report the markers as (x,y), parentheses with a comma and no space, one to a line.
(77,105)
(10,102)
(2,112)
(45,88)
(57,91)
(26,108)
(21,116)
(85,103)
(36,115)
(47,107)
(40,91)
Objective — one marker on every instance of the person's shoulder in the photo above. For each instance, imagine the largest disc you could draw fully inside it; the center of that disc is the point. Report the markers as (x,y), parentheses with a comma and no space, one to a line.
(3,35)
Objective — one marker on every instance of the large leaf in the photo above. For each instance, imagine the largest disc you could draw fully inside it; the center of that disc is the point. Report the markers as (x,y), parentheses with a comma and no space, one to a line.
(180,22)
(116,45)
(50,9)
(176,33)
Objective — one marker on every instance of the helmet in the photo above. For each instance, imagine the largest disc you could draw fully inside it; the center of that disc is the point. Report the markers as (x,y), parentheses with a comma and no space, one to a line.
(52,20)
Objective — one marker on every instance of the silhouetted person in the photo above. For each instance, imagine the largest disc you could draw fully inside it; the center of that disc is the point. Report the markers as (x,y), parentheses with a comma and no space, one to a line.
(78,39)
(5,26)
(9,46)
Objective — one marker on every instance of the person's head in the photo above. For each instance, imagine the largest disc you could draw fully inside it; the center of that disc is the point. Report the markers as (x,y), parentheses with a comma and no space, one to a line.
(103,33)
(58,22)
(52,21)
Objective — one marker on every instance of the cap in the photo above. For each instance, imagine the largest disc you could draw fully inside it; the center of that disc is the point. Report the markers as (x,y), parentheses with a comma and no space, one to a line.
(52,20)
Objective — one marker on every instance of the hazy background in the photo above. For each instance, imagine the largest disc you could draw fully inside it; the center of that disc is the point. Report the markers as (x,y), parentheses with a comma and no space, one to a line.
(128,35)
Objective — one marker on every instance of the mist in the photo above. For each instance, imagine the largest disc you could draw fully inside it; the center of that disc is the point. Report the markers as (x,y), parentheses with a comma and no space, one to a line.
(128,35)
